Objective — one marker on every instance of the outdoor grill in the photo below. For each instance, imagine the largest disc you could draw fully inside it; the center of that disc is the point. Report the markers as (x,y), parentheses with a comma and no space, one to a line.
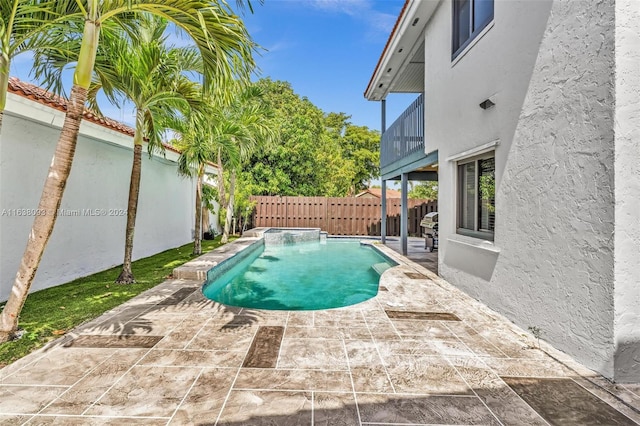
(429,224)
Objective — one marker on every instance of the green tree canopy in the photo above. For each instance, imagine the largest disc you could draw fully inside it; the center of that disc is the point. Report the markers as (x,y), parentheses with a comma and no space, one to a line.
(316,154)
(358,148)
(425,190)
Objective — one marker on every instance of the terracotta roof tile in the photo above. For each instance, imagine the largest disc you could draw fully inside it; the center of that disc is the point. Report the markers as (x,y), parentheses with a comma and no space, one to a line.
(38,94)
(377,192)
(44,97)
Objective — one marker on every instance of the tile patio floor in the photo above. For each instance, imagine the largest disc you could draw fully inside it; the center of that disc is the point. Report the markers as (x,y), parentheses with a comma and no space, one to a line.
(416,252)
(420,352)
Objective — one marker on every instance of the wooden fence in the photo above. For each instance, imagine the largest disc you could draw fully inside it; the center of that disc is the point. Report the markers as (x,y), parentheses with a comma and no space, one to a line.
(338,216)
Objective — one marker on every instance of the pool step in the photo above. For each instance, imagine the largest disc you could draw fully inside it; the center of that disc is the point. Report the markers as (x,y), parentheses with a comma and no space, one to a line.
(381,267)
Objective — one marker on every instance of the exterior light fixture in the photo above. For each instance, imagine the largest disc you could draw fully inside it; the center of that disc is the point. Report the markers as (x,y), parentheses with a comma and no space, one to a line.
(415,21)
(389,70)
(380,85)
(400,50)
(487,103)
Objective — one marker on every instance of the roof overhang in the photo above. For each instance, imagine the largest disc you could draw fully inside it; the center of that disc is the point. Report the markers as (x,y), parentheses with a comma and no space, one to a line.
(400,68)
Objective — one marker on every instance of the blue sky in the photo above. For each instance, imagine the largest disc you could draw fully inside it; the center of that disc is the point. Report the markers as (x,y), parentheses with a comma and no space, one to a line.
(326,49)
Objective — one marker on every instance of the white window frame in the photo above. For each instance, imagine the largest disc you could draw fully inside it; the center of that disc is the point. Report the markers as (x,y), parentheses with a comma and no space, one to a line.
(475,232)
(476,29)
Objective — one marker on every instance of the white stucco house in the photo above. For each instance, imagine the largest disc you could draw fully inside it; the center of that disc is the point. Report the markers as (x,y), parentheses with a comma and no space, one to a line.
(528,114)
(90,229)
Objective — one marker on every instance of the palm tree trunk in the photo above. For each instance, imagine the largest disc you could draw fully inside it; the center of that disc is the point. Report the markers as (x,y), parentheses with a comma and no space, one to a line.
(50,203)
(197,243)
(126,276)
(227,222)
(220,181)
(222,199)
(206,223)
(4,85)
(56,178)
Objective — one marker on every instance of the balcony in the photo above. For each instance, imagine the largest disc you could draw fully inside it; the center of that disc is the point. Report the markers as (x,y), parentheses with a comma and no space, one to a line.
(402,146)
(405,136)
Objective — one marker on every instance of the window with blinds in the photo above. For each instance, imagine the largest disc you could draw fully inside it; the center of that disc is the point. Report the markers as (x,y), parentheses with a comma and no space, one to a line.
(476,196)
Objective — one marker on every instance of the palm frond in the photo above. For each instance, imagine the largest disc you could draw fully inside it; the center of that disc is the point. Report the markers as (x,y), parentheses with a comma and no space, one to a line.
(22,20)
(221,37)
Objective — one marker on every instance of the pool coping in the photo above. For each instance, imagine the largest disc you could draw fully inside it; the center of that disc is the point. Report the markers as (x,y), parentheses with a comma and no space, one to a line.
(405,268)
(221,262)
(198,268)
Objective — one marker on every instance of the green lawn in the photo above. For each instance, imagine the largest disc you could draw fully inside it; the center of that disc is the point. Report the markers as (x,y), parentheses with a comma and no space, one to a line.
(50,313)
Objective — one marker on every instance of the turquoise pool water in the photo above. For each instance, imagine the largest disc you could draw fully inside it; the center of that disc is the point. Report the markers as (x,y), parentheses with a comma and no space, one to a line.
(301,276)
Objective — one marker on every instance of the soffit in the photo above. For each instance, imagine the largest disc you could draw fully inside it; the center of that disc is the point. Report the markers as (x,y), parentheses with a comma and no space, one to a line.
(411,79)
(401,65)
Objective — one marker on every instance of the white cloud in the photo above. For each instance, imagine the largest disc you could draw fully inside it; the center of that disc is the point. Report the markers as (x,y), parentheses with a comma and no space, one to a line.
(279,45)
(360,9)
(349,7)
(383,22)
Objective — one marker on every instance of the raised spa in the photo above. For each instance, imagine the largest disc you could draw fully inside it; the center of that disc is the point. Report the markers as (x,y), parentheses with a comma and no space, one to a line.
(298,272)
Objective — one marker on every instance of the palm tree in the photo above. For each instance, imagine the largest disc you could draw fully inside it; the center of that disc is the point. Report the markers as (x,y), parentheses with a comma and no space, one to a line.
(199,140)
(192,162)
(23,27)
(224,133)
(251,118)
(150,74)
(208,206)
(226,51)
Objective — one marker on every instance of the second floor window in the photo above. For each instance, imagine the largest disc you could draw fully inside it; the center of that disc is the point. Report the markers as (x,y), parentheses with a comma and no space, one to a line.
(470,17)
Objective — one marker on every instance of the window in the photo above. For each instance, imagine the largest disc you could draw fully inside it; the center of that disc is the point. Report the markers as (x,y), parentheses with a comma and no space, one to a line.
(476,197)
(470,17)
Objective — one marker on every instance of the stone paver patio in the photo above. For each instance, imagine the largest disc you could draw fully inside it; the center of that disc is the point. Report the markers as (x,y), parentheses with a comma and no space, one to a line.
(420,352)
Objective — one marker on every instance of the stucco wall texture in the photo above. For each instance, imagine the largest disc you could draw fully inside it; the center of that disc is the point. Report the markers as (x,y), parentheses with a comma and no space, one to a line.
(627,190)
(85,243)
(564,76)
(558,184)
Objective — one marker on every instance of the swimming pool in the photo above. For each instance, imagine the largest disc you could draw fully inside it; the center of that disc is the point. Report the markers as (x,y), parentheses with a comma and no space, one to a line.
(307,275)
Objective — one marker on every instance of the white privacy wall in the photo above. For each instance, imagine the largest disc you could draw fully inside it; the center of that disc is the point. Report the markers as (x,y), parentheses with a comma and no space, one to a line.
(549,67)
(99,181)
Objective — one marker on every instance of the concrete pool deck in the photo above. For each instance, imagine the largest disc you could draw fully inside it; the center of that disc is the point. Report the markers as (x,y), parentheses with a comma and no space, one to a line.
(420,352)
